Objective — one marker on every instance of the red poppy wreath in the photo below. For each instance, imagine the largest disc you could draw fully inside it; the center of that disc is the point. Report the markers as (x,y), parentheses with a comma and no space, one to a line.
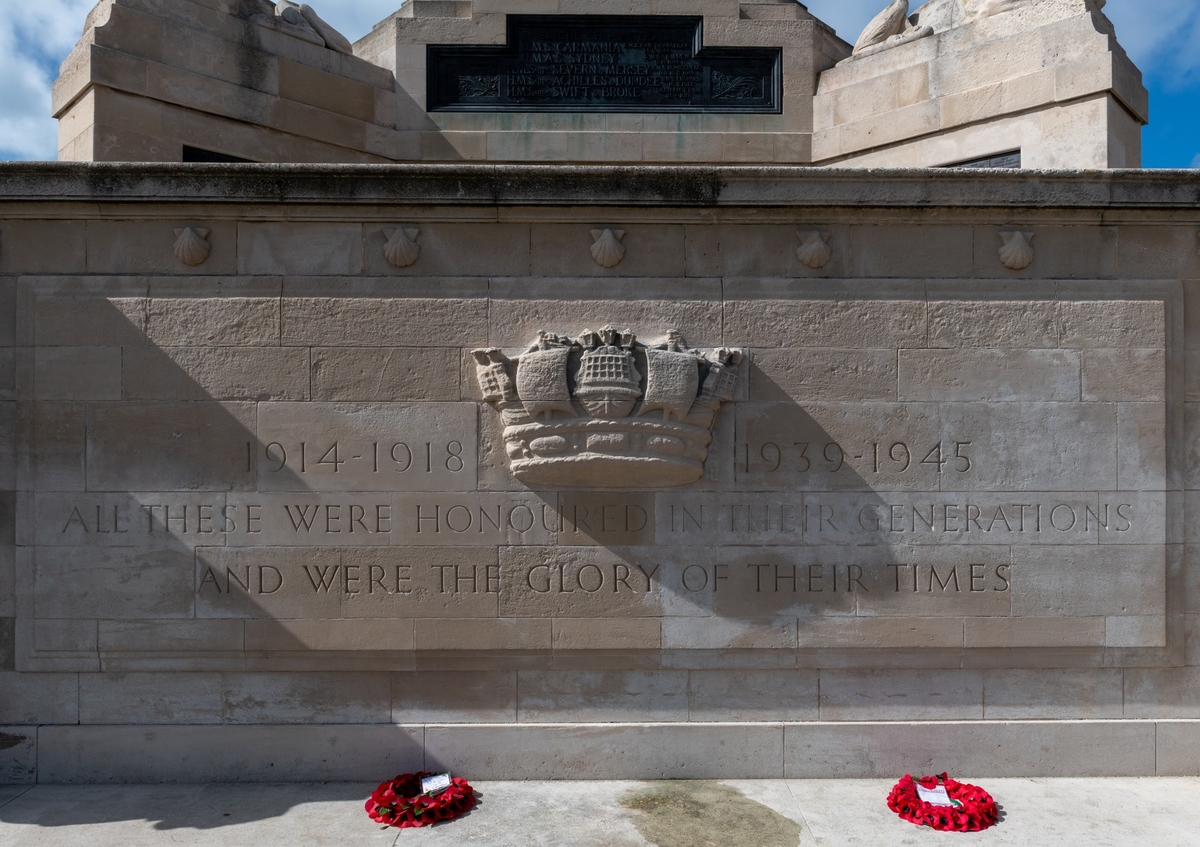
(400,802)
(972,809)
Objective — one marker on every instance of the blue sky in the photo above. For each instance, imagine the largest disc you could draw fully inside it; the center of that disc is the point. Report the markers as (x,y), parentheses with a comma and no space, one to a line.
(1162,36)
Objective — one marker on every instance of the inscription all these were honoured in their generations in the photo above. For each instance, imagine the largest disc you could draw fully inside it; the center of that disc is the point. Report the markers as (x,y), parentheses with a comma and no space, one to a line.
(605,63)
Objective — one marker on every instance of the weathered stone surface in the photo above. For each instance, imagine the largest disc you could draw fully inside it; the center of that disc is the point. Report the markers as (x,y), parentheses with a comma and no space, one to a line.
(1118,581)
(138,446)
(302,248)
(210,321)
(989,375)
(1129,323)
(42,246)
(485,635)
(1174,745)
(497,249)
(620,636)
(215,373)
(816,375)
(94,754)
(716,633)
(585,696)
(933,498)
(1054,694)
(89,321)
(906,252)
(74,582)
(385,321)
(520,308)
(162,636)
(600,752)
(118,698)
(752,695)
(32,699)
(449,697)
(770,320)
(1035,632)
(129,246)
(1129,375)
(1048,749)
(372,374)
(18,762)
(904,695)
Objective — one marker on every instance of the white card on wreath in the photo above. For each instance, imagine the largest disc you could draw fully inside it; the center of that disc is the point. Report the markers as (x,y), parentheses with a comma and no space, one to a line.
(436,784)
(934,796)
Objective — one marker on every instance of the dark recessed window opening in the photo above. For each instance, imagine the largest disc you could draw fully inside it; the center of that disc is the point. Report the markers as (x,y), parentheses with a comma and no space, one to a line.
(195,154)
(1000,160)
(605,63)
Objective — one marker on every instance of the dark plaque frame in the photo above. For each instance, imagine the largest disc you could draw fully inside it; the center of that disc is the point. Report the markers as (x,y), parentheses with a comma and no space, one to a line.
(605,63)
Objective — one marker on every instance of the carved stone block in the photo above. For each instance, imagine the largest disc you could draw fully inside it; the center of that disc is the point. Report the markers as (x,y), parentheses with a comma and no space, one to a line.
(605,411)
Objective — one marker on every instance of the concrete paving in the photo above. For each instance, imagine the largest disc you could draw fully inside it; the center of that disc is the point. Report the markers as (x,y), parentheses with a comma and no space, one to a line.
(829,813)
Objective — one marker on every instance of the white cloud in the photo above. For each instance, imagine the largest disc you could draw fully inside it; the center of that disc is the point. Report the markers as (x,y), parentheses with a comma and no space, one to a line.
(34,39)
(1161,36)
(848,17)
(355,18)
(1196,161)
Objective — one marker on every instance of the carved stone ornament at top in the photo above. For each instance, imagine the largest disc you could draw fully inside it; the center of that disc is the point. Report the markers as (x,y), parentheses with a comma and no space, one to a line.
(814,250)
(605,411)
(303,16)
(191,245)
(608,251)
(890,28)
(1016,253)
(401,248)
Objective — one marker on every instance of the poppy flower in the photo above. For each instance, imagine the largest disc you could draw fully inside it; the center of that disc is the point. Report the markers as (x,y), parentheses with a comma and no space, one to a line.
(974,808)
(399,802)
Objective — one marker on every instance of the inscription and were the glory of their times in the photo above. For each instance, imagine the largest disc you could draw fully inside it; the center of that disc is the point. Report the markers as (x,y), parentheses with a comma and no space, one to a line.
(602,475)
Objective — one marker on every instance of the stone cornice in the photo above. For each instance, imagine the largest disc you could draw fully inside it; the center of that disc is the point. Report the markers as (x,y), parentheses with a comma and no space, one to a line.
(573,185)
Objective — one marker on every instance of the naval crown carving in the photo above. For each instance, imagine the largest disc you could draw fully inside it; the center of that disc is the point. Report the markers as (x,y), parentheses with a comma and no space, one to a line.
(603,410)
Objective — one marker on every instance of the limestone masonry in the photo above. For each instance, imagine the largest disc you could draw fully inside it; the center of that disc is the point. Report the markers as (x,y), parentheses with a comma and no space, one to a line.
(523,467)
(1042,83)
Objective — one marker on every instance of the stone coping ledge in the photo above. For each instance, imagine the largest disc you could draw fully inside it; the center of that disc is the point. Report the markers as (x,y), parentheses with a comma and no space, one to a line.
(819,750)
(598,185)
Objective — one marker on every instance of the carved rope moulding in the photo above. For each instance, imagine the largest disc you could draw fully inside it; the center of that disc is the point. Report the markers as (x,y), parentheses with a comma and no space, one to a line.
(603,410)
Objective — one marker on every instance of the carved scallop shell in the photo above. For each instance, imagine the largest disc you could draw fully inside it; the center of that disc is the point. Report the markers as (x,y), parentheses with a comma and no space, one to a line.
(814,249)
(401,248)
(191,246)
(608,251)
(1017,252)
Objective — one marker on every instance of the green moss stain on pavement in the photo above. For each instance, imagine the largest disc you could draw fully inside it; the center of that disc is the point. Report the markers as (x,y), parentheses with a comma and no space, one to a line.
(688,813)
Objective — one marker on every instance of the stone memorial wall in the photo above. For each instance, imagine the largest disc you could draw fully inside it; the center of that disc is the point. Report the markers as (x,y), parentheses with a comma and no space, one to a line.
(724,471)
